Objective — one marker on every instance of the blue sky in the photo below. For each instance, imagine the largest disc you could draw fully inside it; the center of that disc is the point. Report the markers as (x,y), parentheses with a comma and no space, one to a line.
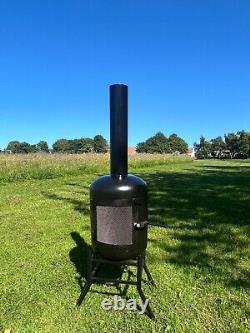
(187,65)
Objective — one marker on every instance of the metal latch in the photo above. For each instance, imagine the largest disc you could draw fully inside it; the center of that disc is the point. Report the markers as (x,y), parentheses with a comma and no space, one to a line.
(140,225)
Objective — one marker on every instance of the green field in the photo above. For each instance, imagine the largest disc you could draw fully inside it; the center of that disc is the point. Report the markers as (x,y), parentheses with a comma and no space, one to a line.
(199,258)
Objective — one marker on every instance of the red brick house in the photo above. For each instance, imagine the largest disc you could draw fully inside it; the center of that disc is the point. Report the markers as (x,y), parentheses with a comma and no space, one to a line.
(131,150)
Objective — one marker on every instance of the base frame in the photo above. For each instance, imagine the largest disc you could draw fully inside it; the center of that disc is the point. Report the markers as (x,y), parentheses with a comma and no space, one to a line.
(94,262)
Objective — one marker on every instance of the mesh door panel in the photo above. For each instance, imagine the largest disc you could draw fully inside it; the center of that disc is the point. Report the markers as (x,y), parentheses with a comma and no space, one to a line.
(114,225)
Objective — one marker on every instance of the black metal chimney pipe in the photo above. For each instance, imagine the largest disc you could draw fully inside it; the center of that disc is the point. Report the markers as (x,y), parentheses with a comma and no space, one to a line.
(119,129)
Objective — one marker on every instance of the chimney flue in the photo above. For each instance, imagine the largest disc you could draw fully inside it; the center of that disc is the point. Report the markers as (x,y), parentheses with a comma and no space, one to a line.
(119,129)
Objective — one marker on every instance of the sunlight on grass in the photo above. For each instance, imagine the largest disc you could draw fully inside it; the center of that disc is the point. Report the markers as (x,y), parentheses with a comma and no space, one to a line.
(199,257)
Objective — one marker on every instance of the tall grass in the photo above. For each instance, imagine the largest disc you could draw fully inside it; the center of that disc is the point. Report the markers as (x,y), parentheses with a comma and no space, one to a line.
(140,161)
(43,166)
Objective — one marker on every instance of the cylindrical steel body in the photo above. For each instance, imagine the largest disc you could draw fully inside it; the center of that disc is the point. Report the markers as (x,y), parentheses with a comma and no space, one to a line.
(124,239)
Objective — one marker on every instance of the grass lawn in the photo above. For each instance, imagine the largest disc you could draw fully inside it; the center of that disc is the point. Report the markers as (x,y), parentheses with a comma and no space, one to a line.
(199,258)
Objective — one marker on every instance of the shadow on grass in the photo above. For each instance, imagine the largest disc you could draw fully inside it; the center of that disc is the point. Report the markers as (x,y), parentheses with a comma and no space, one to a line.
(206,215)
(79,256)
(79,205)
(227,167)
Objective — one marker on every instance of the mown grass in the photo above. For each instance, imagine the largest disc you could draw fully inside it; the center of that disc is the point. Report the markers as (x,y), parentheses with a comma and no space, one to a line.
(199,257)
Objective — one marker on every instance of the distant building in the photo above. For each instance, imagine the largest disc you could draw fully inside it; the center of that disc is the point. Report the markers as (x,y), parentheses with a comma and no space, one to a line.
(131,150)
(191,152)
(5,151)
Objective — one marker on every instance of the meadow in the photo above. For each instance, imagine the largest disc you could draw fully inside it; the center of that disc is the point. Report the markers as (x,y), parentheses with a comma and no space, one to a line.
(198,254)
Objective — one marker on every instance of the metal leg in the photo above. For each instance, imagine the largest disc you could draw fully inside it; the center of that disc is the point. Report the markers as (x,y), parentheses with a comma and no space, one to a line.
(149,276)
(83,293)
(139,287)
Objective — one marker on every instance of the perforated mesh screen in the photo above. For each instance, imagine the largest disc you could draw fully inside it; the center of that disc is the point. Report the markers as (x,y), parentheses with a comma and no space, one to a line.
(114,225)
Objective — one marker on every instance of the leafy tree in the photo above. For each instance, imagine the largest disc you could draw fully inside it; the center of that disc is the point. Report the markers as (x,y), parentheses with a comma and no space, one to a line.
(86,145)
(236,145)
(26,148)
(76,146)
(13,146)
(217,147)
(155,144)
(159,143)
(232,142)
(141,147)
(177,144)
(62,146)
(244,144)
(202,149)
(42,146)
(33,149)
(17,147)
(100,144)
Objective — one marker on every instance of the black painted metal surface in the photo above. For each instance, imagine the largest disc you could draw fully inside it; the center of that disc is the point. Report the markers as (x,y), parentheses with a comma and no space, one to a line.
(119,129)
(118,190)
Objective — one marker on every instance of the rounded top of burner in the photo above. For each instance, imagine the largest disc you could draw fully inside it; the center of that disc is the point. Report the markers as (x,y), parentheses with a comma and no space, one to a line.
(127,186)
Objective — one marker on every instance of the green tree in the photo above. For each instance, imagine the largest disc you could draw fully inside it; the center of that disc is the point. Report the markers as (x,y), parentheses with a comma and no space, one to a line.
(100,144)
(33,149)
(155,144)
(75,146)
(141,147)
(26,148)
(13,146)
(202,149)
(62,146)
(232,142)
(42,146)
(217,147)
(244,144)
(86,145)
(17,147)
(177,144)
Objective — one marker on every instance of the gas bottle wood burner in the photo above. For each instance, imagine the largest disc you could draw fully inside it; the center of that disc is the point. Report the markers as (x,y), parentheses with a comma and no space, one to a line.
(118,206)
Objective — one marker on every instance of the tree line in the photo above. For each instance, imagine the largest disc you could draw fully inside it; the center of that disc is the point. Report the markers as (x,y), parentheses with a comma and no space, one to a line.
(76,146)
(158,143)
(233,145)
